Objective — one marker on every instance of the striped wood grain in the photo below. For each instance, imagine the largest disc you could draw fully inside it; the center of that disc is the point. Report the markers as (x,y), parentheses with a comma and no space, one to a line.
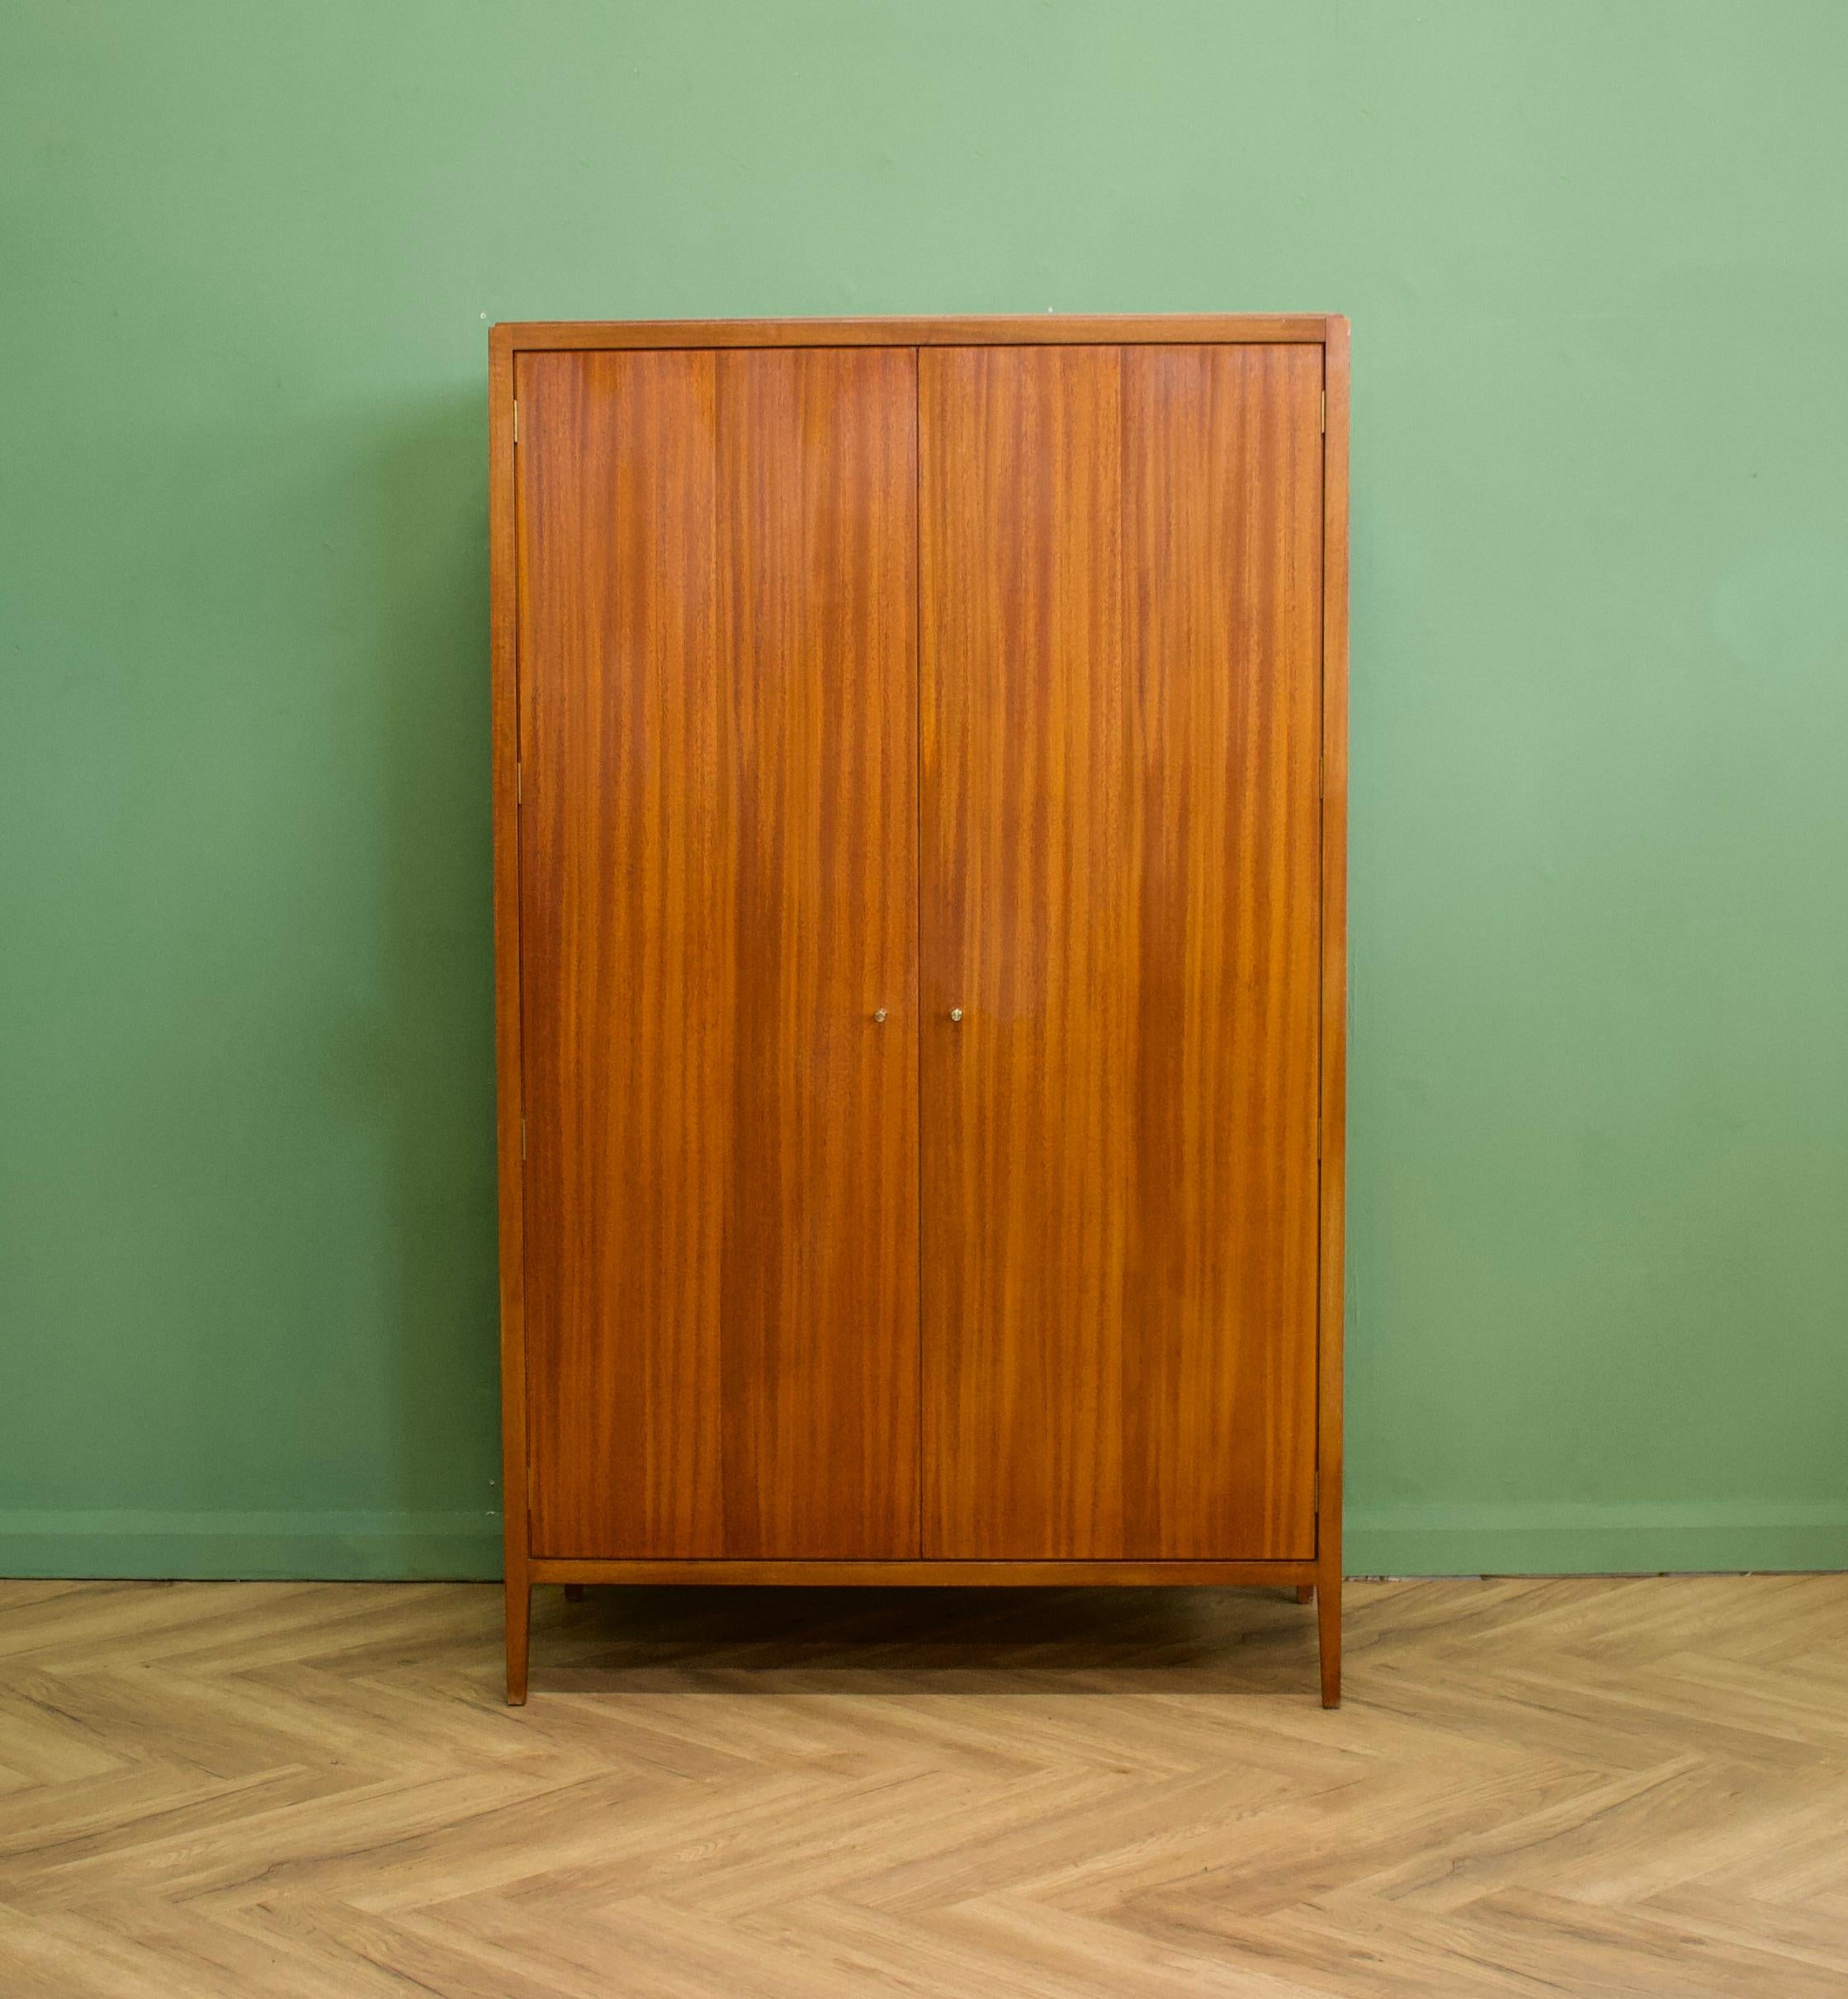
(718,725)
(1617,1790)
(1121,584)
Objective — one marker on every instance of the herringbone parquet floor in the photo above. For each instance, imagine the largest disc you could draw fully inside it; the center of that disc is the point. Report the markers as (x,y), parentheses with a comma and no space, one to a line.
(229,1791)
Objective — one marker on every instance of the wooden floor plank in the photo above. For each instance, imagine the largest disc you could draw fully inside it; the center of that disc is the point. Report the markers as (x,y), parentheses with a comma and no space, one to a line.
(1536,1786)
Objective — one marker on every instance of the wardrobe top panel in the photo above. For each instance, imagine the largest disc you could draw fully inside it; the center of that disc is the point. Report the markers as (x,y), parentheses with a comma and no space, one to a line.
(1024,329)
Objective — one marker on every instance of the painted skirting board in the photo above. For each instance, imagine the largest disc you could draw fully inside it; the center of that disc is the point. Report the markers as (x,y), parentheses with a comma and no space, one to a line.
(355,1547)
(1453,1540)
(1585,1538)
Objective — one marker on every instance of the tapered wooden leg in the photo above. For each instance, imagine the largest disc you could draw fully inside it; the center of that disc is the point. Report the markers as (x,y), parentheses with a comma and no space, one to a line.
(1328,1629)
(1306,1593)
(519,1620)
(573,1592)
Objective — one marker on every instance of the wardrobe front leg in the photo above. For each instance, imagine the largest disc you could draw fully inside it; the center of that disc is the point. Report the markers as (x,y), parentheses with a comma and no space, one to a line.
(1328,1630)
(519,1623)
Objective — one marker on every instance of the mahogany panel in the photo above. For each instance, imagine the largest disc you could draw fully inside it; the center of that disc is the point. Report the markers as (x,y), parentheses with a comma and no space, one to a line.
(1334,1003)
(1120,584)
(817,638)
(716,869)
(1222,573)
(1012,330)
(928,1574)
(505,749)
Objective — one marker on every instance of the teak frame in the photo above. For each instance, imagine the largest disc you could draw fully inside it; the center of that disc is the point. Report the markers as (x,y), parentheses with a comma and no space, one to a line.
(1321,1575)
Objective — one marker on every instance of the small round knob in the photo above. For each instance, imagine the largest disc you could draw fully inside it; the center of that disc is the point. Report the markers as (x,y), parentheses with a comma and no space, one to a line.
(956,1012)
(879,1014)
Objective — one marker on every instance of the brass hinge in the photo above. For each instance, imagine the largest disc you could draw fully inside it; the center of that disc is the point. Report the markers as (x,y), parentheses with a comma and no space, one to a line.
(516,422)
(519,784)
(523,1138)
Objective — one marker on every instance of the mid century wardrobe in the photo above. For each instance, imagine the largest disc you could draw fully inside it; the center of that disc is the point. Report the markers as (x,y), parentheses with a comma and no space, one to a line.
(920,790)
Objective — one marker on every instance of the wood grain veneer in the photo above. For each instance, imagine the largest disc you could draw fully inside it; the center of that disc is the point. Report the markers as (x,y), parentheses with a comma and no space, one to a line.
(509,1090)
(1011,329)
(933,1572)
(708,878)
(1598,1787)
(1121,609)
(1332,1109)
(718,881)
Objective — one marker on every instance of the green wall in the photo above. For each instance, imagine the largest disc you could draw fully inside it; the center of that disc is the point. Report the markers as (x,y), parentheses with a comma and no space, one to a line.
(1593,253)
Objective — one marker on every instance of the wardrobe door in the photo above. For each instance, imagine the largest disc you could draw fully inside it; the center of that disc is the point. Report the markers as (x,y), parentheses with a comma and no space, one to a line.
(717,696)
(1120,584)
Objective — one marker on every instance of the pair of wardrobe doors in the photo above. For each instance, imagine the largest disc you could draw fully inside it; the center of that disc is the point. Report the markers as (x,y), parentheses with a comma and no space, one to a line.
(919,950)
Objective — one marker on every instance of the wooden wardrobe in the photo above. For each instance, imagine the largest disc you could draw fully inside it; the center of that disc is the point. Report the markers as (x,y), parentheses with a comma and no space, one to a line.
(920,792)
